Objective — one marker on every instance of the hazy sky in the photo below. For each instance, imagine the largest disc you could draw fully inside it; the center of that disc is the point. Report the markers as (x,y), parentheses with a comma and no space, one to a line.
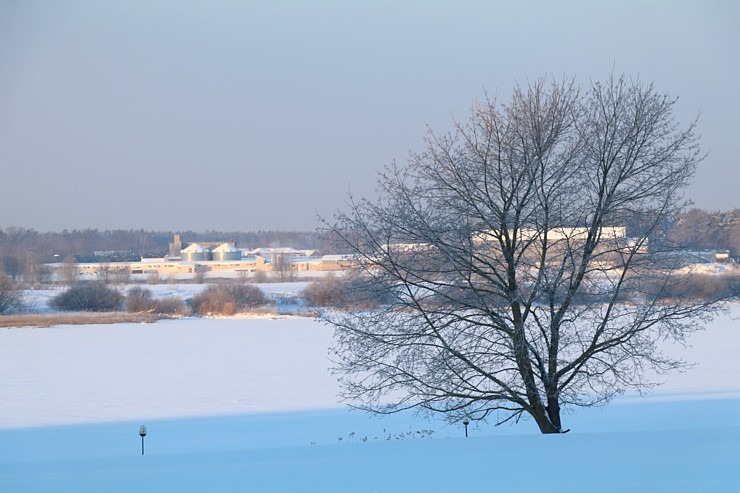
(249,115)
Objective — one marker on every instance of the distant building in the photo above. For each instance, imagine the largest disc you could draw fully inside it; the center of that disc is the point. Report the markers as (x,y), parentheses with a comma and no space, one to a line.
(226,251)
(175,246)
(209,256)
(271,253)
(195,253)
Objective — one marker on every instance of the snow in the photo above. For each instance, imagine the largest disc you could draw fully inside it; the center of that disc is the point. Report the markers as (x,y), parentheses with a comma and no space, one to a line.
(225,247)
(194,248)
(249,405)
(188,367)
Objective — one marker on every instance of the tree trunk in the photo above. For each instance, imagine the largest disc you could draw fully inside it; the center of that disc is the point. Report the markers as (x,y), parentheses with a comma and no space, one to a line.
(553,413)
(543,416)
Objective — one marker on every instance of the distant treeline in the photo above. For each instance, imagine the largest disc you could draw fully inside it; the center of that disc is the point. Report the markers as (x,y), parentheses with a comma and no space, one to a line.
(22,250)
(698,229)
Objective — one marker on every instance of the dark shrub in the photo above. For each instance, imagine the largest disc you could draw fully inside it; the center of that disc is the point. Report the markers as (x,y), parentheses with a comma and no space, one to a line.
(704,286)
(170,305)
(139,300)
(10,294)
(227,299)
(347,294)
(327,292)
(88,297)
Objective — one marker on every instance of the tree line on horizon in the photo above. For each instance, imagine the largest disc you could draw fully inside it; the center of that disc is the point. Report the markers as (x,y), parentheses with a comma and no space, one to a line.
(22,248)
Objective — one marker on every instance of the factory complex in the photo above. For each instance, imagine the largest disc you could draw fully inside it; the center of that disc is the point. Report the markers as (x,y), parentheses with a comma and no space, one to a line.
(220,258)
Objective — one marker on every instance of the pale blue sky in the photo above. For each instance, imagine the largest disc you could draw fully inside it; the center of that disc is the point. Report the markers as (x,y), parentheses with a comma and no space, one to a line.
(249,115)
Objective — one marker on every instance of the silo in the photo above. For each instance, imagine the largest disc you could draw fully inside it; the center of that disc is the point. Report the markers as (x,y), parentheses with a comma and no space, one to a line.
(195,253)
(226,251)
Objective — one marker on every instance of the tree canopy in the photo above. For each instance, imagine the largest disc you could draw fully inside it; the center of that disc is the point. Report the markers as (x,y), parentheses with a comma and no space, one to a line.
(513,286)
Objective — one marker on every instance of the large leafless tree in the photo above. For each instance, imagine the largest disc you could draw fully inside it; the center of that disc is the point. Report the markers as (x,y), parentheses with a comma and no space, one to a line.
(510,286)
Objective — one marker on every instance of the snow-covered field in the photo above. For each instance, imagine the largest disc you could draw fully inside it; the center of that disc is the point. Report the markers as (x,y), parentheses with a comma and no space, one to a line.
(248,404)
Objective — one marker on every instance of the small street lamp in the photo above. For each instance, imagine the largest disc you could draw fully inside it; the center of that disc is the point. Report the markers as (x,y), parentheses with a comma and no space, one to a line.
(142,434)
(466,422)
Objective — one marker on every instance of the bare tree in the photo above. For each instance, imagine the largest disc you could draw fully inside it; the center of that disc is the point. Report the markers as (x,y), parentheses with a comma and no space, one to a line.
(514,289)
(105,273)
(120,274)
(11,294)
(283,267)
(32,269)
(201,272)
(69,270)
(259,277)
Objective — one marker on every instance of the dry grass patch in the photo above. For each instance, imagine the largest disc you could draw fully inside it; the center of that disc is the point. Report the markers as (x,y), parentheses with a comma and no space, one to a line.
(78,318)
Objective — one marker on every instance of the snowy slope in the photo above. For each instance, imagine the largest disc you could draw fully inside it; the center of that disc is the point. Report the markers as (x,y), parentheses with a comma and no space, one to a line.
(198,367)
(270,453)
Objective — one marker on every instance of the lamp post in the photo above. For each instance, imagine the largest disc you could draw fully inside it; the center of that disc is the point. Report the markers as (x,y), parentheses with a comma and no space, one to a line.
(466,422)
(142,434)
